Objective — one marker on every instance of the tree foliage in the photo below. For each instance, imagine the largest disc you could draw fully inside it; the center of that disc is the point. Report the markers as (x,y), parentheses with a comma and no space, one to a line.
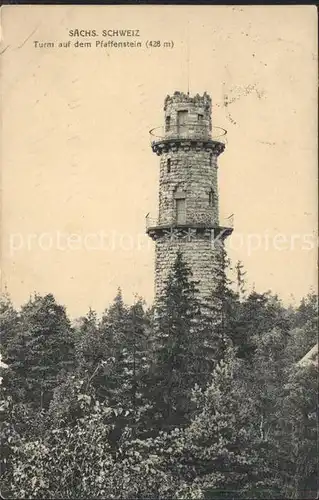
(184,400)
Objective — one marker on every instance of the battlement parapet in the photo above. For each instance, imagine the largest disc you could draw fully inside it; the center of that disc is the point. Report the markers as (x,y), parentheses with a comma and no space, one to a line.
(180,97)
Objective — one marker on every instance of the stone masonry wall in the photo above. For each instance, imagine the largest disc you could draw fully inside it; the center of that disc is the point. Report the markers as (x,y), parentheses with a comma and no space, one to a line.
(195,173)
(201,256)
(197,105)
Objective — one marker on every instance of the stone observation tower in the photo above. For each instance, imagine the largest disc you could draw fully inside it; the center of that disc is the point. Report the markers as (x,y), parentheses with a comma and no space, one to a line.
(188,218)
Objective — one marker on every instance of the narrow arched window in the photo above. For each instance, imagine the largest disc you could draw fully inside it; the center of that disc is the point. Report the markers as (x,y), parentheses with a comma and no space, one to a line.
(211,198)
(168,165)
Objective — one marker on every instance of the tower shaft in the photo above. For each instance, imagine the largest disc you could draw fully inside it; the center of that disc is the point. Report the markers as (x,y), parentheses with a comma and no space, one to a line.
(188,216)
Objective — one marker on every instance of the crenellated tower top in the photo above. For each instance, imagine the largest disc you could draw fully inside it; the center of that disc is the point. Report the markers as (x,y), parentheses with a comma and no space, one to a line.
(188,123)
(180,97)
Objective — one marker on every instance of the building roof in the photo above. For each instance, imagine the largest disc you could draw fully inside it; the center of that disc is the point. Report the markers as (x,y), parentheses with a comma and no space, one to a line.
(311,358)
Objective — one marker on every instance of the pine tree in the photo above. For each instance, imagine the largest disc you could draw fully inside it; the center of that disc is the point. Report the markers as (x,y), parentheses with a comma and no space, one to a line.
(92,347)
(8,322)
(113,358)
(177,344)
(139,362)
(130,367)
(304,334)
(265,378)
(11,346)
(297,434)
(219,312)
(87,341)
(41,351)
(307,311)
(240,280)
(258,314)
(220,448)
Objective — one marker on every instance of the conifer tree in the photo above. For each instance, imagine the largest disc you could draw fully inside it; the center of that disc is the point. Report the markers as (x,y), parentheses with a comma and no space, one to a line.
(307,311)
(258,314)
(240,280)
(219,312)
(8,322)
(88,348)
(221,448)
(295,443)
(41,351)
(176,344)
(113,358)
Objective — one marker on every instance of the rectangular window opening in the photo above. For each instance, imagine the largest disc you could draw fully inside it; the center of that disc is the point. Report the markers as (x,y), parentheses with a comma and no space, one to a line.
(180,211)
(182,119)
(167,123)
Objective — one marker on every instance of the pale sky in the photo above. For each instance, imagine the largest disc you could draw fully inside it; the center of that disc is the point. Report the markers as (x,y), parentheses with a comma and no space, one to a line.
(75,149)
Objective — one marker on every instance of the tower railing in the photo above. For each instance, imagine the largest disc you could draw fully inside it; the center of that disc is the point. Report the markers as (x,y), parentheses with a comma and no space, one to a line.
(198,131)
(153,222)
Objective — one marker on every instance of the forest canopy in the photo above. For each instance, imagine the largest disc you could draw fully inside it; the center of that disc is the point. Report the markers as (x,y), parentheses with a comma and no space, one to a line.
(181,400)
